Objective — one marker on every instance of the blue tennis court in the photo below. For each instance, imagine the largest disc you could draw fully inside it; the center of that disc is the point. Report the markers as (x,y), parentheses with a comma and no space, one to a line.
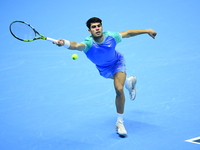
(50,102)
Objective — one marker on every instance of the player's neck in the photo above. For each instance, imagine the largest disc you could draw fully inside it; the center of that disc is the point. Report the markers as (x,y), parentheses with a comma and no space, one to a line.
(99,39)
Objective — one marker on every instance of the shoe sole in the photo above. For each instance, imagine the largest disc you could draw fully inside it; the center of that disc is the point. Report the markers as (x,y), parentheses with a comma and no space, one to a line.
(122,135)
(133,85)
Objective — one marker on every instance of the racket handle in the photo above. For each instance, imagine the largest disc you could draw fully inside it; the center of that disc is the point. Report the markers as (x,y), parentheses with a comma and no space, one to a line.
(51,40)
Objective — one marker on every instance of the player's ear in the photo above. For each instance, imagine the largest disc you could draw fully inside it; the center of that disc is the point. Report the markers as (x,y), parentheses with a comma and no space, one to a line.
(89,31)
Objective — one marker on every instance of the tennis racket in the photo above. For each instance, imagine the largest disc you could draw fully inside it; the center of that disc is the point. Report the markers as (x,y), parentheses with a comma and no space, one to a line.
(25,32)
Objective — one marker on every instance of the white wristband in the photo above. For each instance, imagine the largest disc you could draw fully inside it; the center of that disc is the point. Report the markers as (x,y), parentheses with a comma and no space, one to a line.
(67,44)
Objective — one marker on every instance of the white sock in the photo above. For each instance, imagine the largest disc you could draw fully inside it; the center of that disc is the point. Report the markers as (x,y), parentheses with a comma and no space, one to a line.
(119,117)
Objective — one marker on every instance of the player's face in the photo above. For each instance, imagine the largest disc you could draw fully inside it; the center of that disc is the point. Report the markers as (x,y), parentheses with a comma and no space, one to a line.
(96,29)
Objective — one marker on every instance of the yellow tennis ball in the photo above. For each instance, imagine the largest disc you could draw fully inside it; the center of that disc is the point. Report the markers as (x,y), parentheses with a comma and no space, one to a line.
(74,56)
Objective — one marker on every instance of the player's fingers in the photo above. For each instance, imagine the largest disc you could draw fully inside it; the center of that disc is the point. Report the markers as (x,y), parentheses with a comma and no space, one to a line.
(60,41)
(154,35)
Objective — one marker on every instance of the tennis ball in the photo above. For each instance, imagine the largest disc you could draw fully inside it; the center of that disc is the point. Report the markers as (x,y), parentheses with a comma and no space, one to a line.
(74,56)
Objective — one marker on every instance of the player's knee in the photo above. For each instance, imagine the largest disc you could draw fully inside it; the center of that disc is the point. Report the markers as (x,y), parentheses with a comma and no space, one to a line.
(119,91)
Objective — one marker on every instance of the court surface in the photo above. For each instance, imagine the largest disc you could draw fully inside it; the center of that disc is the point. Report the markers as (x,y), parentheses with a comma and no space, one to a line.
(50,102)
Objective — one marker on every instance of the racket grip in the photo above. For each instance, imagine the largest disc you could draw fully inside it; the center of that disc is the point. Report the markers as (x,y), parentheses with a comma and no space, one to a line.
(51,40)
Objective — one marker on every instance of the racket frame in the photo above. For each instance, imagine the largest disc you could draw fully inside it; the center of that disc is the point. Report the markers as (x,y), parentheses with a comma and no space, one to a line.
(36,33)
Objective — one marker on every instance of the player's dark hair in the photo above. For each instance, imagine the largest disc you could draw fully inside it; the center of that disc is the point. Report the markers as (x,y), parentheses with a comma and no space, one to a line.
(93,20)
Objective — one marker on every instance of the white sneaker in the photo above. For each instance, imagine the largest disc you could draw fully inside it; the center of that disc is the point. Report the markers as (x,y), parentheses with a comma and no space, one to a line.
(131,87)
(119,127)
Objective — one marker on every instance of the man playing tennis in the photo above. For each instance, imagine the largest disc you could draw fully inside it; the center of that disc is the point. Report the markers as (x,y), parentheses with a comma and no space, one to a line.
(100,49)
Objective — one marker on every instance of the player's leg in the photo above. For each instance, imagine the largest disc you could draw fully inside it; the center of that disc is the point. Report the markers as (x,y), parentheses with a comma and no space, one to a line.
(119,80)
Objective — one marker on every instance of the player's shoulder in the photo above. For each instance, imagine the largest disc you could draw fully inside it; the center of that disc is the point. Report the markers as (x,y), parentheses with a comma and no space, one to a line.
(108,33)
(111,33)
(116,35)
(89,38)
(88,43)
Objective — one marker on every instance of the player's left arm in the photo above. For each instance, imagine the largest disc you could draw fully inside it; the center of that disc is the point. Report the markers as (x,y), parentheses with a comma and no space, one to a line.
(130,33)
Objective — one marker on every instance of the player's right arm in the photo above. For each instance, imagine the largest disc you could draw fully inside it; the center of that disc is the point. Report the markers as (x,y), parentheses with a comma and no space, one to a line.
(73,45)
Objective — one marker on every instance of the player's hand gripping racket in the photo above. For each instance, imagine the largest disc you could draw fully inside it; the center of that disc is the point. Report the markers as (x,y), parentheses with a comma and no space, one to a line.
(25,32)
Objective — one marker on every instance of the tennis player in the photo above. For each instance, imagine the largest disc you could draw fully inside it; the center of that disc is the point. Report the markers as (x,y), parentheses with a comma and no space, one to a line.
(99,47)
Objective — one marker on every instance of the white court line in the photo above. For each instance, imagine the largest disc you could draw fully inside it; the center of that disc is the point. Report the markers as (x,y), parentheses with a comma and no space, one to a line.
(194,140)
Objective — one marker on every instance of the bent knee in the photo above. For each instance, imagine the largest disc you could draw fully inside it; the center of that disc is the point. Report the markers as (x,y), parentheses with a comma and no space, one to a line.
(119,90)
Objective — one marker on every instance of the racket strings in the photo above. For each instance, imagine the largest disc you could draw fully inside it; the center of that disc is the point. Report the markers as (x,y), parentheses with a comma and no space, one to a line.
(22,31)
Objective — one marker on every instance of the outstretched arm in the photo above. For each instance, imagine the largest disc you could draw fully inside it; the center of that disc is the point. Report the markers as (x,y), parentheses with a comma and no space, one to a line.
(130,33)
(73,45)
